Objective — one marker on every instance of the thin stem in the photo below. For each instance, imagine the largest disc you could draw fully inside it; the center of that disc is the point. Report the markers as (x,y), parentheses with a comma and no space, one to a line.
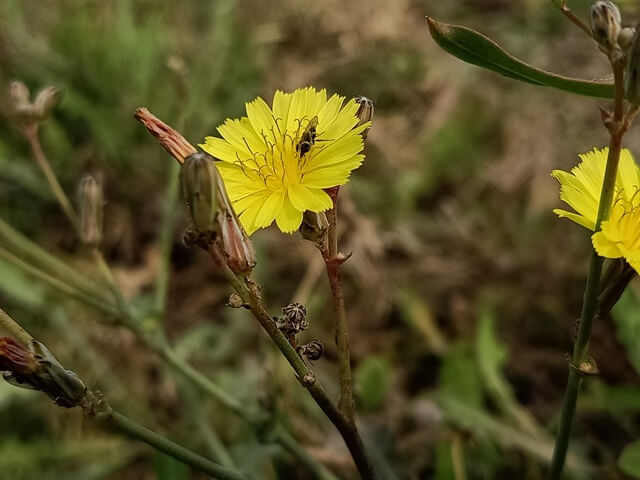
(333,262)
(12,327)
(589,305)
(165,445)
(562,5)
(105,270)
(166,239)
(319,471)
(31,133)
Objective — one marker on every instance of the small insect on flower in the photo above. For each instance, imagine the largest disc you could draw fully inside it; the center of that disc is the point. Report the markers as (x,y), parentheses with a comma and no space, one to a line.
(279,160)
(308,137)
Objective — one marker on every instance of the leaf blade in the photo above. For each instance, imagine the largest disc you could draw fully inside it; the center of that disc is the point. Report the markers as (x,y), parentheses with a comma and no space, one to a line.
(474,48)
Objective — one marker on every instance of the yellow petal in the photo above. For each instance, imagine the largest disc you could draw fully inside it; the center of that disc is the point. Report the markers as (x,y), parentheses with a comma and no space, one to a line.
(579,219)
(289,218)
(604,246)
(303,199)
(270,209)
(260,116)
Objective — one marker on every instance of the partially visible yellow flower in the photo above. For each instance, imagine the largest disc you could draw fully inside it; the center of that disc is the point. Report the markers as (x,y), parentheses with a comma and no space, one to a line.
(620,234)
(277,161)
(582,187)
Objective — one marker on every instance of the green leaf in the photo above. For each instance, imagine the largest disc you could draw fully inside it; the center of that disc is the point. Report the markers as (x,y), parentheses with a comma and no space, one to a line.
(473,47)
(629,461)
(373,379)
(625,316)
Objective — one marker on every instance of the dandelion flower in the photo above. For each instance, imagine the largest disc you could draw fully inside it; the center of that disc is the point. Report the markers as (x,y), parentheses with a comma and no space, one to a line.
(619,236)
(582,187)
(277,161)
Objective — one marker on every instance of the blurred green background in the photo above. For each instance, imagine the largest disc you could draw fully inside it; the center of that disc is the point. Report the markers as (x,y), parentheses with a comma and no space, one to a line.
(463,286)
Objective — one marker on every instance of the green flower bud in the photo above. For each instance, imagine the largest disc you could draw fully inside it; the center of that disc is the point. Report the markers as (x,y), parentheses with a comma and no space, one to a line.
(199,178)
(91,203)
(605,22)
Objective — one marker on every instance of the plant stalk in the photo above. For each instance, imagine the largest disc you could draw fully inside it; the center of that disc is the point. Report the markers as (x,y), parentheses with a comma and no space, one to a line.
(589,305)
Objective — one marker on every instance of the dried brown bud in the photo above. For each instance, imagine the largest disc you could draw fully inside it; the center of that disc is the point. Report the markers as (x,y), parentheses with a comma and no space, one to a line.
(605,22)
(235,301)
(309,379)
(170,139)
(365,112)
(312,350)
(295,312)
(15,358)
(199,179)
(46,100)
(91,203)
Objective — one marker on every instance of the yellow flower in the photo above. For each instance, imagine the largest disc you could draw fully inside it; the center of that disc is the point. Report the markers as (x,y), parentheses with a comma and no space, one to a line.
(277,161)
(582,187)
(620,234)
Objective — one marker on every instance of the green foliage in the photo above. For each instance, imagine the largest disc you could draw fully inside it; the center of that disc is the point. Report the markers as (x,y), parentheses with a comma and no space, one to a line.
(473,47)
(625,315)
(629,461)
(372,380)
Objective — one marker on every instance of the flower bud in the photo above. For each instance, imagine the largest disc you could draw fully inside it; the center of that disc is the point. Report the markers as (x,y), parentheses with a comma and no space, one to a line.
(312,350)
(313,226)
(15,358)
(20,105)
(626,37)
(91,203)
(199,179)
(605,22)
(46,100)
(615,280)
(632,74)
(364,113)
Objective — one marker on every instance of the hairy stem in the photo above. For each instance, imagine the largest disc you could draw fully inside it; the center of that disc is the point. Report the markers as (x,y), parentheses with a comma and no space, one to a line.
(589,305)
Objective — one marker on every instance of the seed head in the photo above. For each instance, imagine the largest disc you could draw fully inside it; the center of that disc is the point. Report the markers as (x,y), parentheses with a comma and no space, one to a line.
(605,22)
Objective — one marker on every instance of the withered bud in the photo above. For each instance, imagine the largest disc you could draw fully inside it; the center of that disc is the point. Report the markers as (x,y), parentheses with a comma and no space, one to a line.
(605,22)
(312,350)
(365,112)
(46,100)
(295,312)
(91,203)
(38,369)
(199,179)
(170,139)
(235,301)
(626,37)
(313,226)
(15,358)
(589,367)
(238,249)
(632,75)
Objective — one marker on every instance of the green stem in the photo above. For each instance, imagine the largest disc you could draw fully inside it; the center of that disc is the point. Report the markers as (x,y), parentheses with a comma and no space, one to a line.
(589,305)
(166,238)
(12,327)
(105,270)
(165,445)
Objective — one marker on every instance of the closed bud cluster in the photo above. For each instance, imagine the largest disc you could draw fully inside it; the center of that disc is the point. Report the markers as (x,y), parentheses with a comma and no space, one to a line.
(27,112)
(199,180)
(605,22)
(364,113)
(293,320)
(91,203)
(312,350)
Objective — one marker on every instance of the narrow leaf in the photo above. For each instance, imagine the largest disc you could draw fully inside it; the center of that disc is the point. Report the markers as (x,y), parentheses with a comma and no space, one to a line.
(473,47)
